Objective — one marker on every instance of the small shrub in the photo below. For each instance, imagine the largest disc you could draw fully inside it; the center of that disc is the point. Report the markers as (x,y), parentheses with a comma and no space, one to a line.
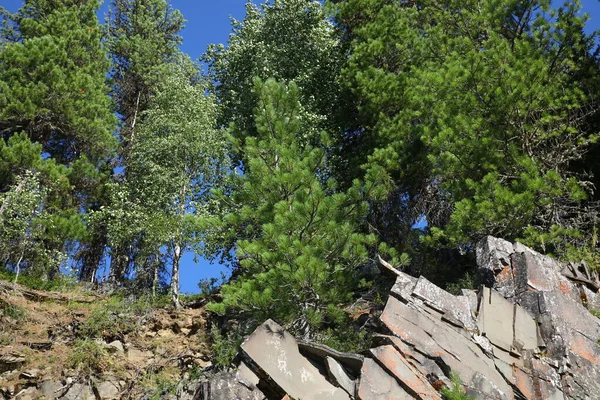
(595,313)
(457,391)
(5,339)
(89,357)
(224,348)
(467,281)
(159,384)
(118,316)
(61,283)
(208,286)
(196,373)
(105,322)
(11,311)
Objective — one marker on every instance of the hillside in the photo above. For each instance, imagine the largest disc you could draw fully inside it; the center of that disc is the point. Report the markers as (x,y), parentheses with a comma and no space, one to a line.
(86,346)
(530,331)
(332,179)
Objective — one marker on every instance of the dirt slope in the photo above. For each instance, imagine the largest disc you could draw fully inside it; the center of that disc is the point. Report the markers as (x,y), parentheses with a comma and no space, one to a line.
(82,345)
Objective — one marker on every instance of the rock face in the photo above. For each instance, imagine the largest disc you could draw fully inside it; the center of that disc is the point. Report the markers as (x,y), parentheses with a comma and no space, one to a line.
(276,356)
(527,333)
(556,297)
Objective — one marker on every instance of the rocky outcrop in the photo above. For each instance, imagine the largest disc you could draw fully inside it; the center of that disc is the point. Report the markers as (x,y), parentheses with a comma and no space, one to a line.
(557,297)
(527,333)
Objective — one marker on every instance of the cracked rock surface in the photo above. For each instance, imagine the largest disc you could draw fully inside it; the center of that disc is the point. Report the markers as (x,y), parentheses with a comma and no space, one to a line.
(526,333)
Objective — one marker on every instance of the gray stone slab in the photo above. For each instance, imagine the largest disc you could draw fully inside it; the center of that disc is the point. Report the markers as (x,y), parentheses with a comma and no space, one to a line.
(409,378)
(410,325)
(530,274)
(246,376)
(376,384)
(425,365)
(50,389)
(404,285)
(486,389)
(226,386)
(569,318)
(495,319)
(339,377)
(506,369)
(439,299)
(471,298)
(276,352)
(352,362)
(526,332)
(108,390)
(494,264)
(436,340)
(592,298)
(79,392)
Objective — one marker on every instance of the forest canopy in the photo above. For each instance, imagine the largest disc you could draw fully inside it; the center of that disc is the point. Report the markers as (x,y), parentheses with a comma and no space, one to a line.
(321,137)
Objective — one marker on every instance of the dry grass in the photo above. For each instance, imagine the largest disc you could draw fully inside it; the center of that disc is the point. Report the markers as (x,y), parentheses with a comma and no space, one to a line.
(28,326)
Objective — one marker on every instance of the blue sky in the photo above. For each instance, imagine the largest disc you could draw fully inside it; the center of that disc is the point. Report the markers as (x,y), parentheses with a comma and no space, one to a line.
(208,21)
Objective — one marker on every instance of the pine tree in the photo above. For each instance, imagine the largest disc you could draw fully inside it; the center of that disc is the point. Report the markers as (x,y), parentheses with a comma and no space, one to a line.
(476,110)
(142,38)
(298,240)
(53,80)
(55,113)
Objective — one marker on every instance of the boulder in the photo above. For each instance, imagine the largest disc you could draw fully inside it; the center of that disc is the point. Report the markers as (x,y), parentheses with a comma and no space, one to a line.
(31,393)
(138,357)
(226,386)
(50,389)
(11,361)
(527,333)
(555,295)
(411,380)
(352,362)
(115,347)
(275,354)
(79,392)
(108,390)
(377,384)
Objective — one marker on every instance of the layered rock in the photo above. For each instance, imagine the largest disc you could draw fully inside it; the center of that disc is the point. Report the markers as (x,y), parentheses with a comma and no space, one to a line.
(526,333)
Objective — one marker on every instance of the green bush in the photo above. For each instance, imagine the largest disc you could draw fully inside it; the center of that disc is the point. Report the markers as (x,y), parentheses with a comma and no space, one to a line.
(5,339)
(224,348)
(348,340)
(159,385)
(61,283)
(467,281)
(118,316)
(457,391)
(89,357)
(11,311)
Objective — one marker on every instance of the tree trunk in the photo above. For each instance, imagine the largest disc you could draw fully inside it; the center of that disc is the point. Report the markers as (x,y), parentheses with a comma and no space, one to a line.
(175,275)
(91,256)
(118,264)
(155,278)
(18,266)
